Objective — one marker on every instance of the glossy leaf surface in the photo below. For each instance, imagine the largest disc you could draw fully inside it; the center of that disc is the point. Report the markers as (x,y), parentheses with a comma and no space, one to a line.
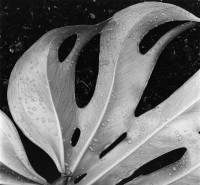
(42,102)
(14,165)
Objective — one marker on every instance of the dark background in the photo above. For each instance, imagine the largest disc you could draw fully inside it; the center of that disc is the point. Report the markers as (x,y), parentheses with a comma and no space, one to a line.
(24,21)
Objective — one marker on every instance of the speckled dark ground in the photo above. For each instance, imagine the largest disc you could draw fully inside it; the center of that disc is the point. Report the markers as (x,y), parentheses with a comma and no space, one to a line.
(25,21)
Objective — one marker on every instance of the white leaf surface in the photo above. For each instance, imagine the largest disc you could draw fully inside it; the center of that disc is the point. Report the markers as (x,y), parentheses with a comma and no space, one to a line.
(41,100)
(41,92)
(124,73)
(14,165)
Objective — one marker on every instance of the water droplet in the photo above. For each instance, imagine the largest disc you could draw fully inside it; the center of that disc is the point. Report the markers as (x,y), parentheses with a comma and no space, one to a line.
(34,99)
(33,108)
(103,124)
(91,149)
(106,146)
(95,140)
(142,129)
(113,96)
(30,112)
(43,120)
(49,120)
(150,143)
(179,137)
(176,132)
(130,172)
(174,168)
(129,141)
(119,180)
(55,134)
(66,164)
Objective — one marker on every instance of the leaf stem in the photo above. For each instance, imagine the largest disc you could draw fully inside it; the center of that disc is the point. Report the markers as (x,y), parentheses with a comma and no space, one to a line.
(62,180)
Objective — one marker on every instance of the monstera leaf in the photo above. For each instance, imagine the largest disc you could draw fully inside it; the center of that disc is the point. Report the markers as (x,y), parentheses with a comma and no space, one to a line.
(103,143)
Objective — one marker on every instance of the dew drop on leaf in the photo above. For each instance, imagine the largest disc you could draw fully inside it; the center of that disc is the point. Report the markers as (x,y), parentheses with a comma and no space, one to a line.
(49,120)
(43,120)
(33,108)
(174,168)
(179,138)
(129,141)
(55,134)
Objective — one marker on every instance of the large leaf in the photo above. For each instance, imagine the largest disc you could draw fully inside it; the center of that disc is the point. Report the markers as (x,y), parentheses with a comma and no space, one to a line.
(41,100)
(41,91)
(123,75)
(14,165)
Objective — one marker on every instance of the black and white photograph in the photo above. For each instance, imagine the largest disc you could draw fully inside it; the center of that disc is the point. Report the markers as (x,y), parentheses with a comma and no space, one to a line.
(99,92)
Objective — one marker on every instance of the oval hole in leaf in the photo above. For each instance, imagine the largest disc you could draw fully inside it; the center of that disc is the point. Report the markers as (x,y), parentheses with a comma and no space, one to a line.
(75,137)
(86,72)
(113,145)
(155,34)
(175,65)
(156,164)
(79,178)
(66,47)
(40,161)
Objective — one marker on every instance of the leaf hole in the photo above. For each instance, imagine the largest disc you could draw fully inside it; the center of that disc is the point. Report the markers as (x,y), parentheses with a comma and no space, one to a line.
(175,65)
(75,137)
(113,145)
(156,164)
(79,178)
(66,47)
(155,34)
(39,159)
(86,72)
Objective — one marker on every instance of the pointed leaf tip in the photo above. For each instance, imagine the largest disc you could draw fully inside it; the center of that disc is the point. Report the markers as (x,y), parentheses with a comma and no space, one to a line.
(14,165)
(41,100)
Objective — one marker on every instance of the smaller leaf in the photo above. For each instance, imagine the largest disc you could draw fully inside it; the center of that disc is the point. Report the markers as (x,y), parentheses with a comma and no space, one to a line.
(14,165)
